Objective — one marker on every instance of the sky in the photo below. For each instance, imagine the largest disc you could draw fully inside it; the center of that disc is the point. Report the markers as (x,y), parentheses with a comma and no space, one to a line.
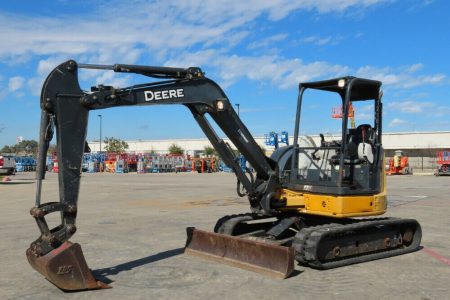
(258,51)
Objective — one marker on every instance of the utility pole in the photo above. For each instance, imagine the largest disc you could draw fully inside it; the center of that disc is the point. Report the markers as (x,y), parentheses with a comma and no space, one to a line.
(237,104)
(100,151)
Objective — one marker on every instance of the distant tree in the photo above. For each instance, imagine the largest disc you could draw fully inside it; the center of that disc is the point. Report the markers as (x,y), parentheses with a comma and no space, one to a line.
(209,151)
(175,149)
(114,145)
(7,149)
(30,146)
(25,147)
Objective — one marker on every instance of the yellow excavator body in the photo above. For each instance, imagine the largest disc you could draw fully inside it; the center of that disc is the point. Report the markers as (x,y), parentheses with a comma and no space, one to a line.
(334,206)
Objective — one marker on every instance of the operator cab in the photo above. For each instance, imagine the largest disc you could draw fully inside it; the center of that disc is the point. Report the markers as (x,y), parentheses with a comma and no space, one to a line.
(351,160)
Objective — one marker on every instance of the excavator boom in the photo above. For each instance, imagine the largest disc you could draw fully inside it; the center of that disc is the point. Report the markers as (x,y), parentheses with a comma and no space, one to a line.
(65,107)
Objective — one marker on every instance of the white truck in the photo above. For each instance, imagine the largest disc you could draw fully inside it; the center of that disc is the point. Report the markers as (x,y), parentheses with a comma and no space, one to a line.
(7,164)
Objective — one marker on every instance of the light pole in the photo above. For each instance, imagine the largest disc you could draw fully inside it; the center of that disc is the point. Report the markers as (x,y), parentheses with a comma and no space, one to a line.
(100,150)
(237,104)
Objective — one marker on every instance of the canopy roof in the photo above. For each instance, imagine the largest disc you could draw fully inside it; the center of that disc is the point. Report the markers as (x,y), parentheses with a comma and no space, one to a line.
(361,89)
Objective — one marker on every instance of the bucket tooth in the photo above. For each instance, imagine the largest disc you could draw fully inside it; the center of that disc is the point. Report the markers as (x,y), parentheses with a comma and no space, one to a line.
(66,268)
(273,260)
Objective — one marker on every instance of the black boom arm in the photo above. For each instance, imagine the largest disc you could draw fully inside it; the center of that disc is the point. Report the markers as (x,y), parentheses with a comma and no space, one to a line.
(66,107)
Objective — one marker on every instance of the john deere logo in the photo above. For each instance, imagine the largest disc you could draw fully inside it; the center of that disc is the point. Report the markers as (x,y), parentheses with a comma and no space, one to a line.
(163,95)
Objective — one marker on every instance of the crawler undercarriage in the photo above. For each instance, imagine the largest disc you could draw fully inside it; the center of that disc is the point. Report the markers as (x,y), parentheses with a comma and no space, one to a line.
(325,243)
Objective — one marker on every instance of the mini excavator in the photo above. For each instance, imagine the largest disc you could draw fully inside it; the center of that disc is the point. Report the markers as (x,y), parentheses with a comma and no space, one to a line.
(306,200)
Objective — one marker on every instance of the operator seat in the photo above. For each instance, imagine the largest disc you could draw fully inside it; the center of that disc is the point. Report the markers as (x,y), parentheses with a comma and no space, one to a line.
(360,141)
(365,149)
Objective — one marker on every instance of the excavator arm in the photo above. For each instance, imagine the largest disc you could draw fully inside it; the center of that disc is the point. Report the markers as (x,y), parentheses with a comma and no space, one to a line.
(63,101)
(65,107)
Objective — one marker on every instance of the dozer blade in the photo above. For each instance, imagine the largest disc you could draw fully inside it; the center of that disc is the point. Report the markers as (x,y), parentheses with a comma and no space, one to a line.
(66,268)
(273,260)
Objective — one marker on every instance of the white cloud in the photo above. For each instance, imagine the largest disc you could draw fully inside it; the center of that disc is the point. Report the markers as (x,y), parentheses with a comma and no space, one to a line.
(303,72)
(288,72)
(428,109)
(412,107)
(414,68)
(15,83)
(281,72)
(147,27)
(3,93)
(363,116)
(317,40)
(402,77)
(363,112)
(267,41)
(113,79)
(165,31)
(440,111)
(397,122)
(35,85)
(46,65)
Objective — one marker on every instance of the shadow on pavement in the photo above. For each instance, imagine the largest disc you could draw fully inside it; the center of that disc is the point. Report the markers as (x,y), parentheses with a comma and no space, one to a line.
(100,274)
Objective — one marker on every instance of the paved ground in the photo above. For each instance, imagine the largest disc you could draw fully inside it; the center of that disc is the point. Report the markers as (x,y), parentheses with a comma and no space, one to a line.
(131,228)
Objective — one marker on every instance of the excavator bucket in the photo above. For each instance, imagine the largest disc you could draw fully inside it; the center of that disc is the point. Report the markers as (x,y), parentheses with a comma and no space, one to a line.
(273,260)
(66,268)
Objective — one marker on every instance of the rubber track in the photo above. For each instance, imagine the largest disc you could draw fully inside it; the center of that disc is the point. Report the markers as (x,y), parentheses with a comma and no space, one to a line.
(307,241)
(300,240)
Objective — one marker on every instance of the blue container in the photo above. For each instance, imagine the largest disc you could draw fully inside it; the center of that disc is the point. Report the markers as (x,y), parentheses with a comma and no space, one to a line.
(19,167)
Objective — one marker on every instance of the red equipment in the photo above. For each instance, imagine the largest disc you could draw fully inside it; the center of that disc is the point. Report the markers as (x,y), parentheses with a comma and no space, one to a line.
(443,160)
(399,164)
(55,168)
(336,113)
(204,165)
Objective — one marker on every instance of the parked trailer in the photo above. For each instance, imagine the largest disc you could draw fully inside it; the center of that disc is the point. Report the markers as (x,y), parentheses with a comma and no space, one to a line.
(7,164)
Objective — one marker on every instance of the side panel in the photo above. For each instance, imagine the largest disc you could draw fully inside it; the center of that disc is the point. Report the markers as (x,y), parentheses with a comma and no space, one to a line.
(334,206)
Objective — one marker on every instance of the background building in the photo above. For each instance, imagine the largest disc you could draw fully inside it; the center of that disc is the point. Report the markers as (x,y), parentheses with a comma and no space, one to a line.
(421,147)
